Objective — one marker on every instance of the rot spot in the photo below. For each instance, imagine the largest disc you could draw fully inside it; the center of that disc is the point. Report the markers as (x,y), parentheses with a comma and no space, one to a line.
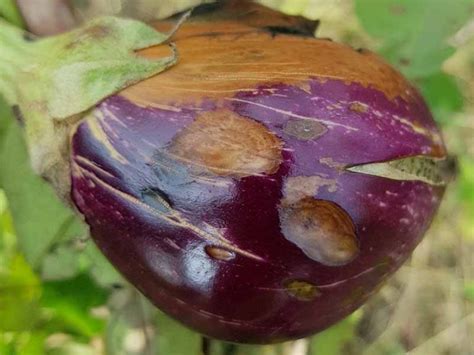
(219,253)
(304,129)
(322,229)
(302,290)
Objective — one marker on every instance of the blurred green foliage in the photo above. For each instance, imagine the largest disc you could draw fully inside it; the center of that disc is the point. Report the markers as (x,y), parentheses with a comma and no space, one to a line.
(9,11)
(414,33)
(58,295)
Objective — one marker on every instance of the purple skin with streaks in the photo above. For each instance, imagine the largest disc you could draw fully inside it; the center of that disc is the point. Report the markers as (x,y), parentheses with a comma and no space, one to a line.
(209,249)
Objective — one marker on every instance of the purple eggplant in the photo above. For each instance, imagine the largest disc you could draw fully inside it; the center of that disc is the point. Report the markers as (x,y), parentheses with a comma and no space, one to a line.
(265,186)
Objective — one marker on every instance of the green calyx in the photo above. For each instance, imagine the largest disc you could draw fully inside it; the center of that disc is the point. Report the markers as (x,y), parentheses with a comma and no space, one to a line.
(53,82)
(78,69)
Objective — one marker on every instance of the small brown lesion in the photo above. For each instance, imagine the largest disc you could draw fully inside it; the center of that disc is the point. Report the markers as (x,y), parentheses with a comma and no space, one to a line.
(302,290)
(304,129)
(227,144)
(321,228)
(219,253)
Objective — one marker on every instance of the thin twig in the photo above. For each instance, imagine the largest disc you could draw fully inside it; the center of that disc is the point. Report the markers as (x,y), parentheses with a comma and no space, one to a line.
(146,336)
(229,349)
(205,346)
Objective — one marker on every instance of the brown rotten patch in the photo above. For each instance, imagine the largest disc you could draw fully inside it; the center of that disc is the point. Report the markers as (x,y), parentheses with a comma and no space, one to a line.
(245,57)
(227,144)
(322,229)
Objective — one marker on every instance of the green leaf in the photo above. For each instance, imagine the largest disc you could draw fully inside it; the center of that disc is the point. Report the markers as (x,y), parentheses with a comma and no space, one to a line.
(469,291)
(7,238)
(88,73)
(5,119)
(31,343)
(62,263)
(73,348)
(61,77)
(414,33)
(332,340)
(70,73)
(101,270)
(175,339)
(443,95)
(39,217)
(68,305)
(9,11)
(19,296)
(466,183)
(6,345)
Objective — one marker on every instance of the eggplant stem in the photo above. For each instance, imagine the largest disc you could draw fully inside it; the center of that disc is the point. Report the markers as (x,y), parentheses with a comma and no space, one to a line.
(205,346)
(229,349)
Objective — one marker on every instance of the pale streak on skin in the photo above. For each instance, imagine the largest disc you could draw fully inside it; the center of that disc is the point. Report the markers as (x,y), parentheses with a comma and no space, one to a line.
(291,114)
(173,218)
(90,164)
(420,130)
(265,75)
(331,285)
(99,134)
(147,104)
(111,149)
(108,128)
(206,167)
(402,170)
(340,282)
(202,90)
(110,115)
(243,63)
(201,179)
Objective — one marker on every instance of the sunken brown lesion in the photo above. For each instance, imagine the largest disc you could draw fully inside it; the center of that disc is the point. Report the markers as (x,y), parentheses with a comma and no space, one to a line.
(227,144)
(304,129)
(219,253)
(321,228)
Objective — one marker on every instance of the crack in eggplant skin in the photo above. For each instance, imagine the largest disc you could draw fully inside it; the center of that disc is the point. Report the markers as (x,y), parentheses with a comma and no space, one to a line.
(206,240)
(433,171)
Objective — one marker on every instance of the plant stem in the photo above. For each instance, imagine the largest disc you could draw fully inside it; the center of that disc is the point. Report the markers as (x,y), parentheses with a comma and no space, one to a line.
(230,349)
(205,346)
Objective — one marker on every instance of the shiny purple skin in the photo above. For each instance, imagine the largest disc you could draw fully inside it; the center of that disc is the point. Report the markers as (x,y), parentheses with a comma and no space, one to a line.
(125,184)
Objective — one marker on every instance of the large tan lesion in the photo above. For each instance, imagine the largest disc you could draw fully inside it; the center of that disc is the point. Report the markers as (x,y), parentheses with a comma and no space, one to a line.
(321,228)
(213,64)
(227,144)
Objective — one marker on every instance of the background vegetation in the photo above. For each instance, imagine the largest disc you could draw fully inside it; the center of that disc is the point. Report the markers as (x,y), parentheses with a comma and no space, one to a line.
(58,295)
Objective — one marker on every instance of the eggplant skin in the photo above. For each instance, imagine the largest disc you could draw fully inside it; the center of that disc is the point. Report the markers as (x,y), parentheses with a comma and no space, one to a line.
(223,190)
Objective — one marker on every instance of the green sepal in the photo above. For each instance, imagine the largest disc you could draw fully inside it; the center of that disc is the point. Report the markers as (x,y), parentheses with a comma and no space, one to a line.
(72,72)
(60,78)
